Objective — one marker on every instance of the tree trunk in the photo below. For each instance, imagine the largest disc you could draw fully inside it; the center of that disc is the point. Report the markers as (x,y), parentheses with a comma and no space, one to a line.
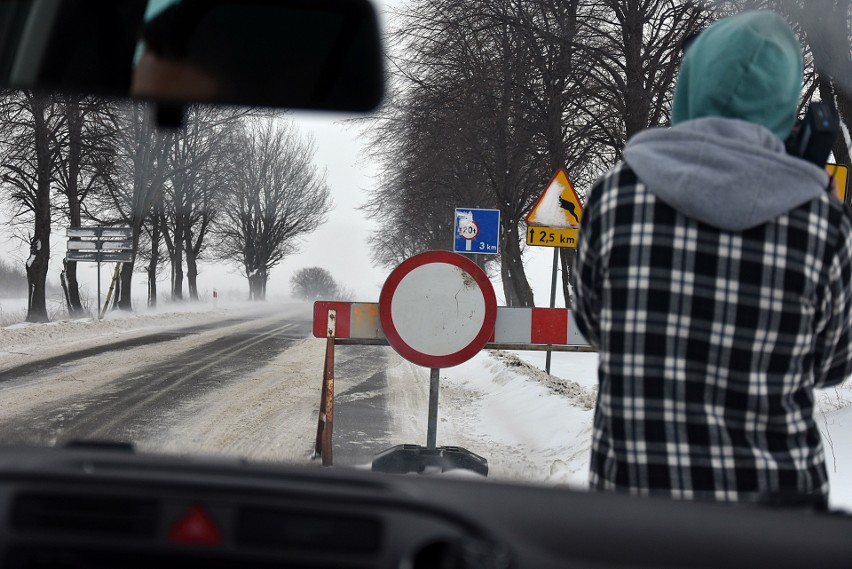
(75,304)
(568,258)
(155,260)
(177,261)
(520,293)
(37,277)
(177,273)
(152,285)
(64,282)
(508,291)
(75,151)
(191,267)
(125,281)
(37,263)
(254,288)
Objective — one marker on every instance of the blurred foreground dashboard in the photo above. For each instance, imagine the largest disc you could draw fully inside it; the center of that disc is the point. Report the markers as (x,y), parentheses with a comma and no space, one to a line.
(112,508)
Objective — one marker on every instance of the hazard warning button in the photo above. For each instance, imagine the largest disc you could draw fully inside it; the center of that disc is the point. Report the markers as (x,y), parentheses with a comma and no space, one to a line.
(196,527)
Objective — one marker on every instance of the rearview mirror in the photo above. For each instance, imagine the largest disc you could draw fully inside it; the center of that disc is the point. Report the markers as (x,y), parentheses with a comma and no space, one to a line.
(308,54)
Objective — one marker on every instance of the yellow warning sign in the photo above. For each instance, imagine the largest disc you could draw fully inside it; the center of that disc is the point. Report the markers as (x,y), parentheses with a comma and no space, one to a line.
(552,236)
(558,207)
(841,174)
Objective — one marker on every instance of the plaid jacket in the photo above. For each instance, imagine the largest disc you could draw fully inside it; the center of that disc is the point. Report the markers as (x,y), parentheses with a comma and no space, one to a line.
(711,343)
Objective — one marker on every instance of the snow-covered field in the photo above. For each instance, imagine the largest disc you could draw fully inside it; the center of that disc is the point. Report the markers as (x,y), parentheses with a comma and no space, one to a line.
(530,426)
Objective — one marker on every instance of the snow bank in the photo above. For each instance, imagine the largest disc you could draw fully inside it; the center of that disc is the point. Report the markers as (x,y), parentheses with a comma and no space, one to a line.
(530,427)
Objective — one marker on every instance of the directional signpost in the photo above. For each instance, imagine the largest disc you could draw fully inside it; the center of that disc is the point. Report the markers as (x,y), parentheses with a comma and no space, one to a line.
(100,245)
(476,231)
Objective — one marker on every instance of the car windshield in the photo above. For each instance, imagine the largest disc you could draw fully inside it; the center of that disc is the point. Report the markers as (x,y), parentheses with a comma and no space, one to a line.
(174,288)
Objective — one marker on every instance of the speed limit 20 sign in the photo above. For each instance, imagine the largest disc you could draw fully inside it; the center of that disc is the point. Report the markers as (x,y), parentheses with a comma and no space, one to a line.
(476,231)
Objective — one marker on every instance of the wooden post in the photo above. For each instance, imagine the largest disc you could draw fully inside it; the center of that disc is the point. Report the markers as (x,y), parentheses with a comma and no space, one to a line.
(115,276)
(325,423)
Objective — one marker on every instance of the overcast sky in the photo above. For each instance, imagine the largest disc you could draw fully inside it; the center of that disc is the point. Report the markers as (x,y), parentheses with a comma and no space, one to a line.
(339,246)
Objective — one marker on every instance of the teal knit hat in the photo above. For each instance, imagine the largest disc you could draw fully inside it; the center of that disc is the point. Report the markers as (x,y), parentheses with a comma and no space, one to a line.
(748,67)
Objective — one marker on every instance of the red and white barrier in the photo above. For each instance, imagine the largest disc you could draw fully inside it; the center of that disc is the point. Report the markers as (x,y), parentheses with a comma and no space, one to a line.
(514,326)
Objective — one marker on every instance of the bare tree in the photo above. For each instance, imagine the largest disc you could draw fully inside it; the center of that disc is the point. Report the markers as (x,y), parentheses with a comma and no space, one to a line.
(142,168)
(199,169)
(466,131)
(314,283)
(85,163)
(28,166)
(499,94)
(275,197)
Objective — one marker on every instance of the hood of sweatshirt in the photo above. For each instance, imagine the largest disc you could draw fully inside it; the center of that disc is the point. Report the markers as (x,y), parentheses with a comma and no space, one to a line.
(728,173)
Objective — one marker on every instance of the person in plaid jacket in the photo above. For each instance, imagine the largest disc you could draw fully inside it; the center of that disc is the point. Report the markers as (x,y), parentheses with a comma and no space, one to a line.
(714,275)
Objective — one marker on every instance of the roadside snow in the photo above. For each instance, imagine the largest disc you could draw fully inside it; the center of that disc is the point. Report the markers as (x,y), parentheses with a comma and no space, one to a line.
(515,416)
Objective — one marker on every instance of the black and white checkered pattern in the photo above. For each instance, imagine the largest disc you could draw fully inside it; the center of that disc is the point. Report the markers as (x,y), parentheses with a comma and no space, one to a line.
(711,343)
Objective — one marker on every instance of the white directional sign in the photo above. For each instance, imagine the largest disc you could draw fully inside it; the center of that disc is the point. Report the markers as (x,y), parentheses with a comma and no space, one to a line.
(91,232)
(438,309)
(103,245)
(100,256)
(100,245)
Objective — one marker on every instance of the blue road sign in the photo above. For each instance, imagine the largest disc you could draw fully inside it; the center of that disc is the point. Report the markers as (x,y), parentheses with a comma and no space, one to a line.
(476,231)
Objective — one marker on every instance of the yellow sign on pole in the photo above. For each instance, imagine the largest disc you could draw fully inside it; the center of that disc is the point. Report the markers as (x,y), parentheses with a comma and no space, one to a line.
(841,174)
(552,236)
(554,220)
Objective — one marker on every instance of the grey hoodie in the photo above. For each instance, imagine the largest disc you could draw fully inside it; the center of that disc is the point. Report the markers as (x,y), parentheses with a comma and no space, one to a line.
(725,172)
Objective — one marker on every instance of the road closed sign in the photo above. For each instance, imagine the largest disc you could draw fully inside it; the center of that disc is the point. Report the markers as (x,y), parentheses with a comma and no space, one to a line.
(438,309)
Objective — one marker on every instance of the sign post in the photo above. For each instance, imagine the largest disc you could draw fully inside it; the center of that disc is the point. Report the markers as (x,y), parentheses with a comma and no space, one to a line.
(437,310)
(100,245)
(554,221)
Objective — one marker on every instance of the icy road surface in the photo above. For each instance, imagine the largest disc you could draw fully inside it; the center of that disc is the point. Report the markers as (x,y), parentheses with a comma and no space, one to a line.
(246,382)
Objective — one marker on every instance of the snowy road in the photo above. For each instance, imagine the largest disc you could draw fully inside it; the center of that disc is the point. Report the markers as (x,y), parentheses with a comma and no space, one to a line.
(246,381)
(236,386)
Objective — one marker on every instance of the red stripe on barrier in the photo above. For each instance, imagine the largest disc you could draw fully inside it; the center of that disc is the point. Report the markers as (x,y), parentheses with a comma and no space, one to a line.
(344,310)
(549,326)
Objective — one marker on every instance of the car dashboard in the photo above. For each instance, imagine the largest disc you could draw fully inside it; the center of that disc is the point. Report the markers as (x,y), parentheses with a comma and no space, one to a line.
(110,507)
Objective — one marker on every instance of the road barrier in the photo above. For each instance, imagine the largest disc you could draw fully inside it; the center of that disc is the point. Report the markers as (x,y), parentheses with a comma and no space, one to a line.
(359,323)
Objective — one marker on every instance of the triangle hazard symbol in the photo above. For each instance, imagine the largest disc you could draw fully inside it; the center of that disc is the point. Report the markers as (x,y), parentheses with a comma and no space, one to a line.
(196,527)
(559,206)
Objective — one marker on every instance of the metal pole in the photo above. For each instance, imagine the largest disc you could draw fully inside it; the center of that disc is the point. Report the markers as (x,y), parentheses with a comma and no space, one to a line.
(552,299)
(432,426)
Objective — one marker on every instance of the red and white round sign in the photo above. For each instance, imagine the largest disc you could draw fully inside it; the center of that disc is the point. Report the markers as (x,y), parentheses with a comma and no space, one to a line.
(468,229)
(438,309)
